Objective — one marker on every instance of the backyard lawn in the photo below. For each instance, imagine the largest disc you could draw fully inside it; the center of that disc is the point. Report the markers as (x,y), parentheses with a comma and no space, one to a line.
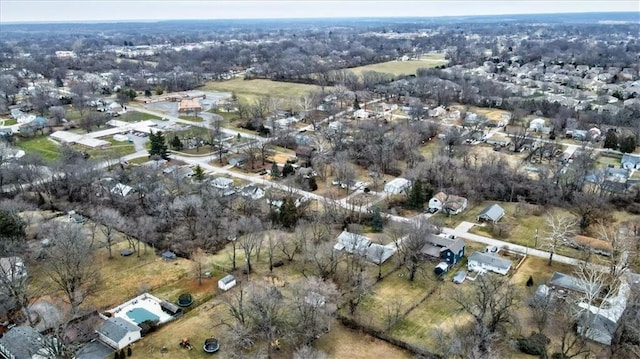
(135,116)
(191,118)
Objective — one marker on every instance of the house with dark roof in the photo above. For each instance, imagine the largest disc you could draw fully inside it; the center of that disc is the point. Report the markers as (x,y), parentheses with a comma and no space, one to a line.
(448,249)
(492,213)
(118,332)
(22,342)
(565,282)
(483,262)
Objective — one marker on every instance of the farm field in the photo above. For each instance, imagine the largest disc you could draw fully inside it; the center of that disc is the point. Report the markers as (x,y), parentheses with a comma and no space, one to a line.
(403,67)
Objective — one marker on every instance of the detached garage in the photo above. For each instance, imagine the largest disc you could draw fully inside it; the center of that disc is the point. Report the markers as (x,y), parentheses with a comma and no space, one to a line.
(397,185)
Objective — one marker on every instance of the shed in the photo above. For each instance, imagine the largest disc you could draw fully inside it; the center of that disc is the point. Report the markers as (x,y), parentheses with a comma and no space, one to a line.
(441,268)
(492,213)
(227,282)
(168,256)
(118,332)
(171,309)
(397,185)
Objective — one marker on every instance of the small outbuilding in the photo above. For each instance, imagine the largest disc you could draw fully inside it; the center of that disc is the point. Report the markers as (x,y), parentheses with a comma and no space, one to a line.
(441,268)
(227,282)
(168,256)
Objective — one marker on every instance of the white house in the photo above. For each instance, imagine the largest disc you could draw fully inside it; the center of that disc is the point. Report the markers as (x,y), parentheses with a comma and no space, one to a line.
(397,185)
(448,203)
(12,269)
(360,114)
(482,262)
(537,124)
(222,183)
(118,332)
(121,189)
(252,191)
(227,282)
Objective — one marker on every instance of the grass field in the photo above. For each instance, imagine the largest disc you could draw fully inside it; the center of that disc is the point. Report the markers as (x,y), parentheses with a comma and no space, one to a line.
(403,67)
(249,90)
(49,150)
(9,122)
(135,116)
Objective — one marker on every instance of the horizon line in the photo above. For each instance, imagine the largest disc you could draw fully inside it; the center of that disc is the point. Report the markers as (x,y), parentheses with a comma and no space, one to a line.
(111,21)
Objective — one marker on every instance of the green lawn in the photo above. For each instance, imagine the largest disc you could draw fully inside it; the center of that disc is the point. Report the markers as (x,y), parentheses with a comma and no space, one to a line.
(135,116)
(115,150)
(48,149)
(403,67)
(10,122)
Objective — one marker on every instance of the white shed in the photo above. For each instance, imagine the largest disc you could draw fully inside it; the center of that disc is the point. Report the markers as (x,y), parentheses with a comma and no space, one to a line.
(537,124)
(227,282)
(397,185)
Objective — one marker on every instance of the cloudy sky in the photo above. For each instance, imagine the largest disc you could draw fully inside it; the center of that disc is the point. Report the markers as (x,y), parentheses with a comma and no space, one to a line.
(109,10)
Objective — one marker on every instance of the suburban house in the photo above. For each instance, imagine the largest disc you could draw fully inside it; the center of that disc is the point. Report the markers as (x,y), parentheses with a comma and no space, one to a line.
(492,213)
(565,282)
(483,262)
(449,204)
(630,161)
(252,191)
(118,332)
(498,140)
(12,269)
(122,190)
(397,185)
(227,282)
(354,243)
(222,183)
(238,161)
(23,342)
(115,108)
(447,249)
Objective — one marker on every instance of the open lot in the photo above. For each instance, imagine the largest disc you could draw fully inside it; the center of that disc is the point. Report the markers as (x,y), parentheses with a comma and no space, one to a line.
(49,150)
(403,67)
(249,90)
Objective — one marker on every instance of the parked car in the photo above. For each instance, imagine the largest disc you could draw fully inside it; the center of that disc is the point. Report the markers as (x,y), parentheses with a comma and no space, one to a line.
(431,210)
(460,277)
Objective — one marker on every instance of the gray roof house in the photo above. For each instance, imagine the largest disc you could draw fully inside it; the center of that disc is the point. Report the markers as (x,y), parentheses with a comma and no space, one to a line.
(118,332)
(492,213)
(358,244)
(482,262)
(630,161)
(21,342)
(565,281)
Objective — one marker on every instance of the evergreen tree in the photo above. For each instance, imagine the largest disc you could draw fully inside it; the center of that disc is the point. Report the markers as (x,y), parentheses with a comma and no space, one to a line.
(176,144)
(198,173)
(377,224)
(416,196)
(628,144)
(611,140)
(312,184)
(59,82)
(158,146)
(129,352)
(287,170)
(356,104)
(11,225)
(275,171)
(288,213)
(122,354)
(530,281)
(147,93)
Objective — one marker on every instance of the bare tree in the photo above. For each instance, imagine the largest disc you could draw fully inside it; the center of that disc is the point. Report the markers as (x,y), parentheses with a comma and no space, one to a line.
(250,240)
(200,265)
(412,244)
(560,230)
(490,303)
(313,305)
(70,263)
(109,218)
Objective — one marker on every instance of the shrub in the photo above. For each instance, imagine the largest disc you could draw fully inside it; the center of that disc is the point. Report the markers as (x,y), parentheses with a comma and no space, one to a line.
(535,344)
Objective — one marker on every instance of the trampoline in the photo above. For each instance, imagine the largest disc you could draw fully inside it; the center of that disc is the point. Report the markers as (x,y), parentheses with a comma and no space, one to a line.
(139,315)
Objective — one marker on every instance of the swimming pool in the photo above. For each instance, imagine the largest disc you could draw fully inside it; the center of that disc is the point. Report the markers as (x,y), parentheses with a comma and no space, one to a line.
(139,315)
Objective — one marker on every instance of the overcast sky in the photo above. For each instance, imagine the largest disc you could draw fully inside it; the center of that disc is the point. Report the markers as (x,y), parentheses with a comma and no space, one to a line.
(109,10)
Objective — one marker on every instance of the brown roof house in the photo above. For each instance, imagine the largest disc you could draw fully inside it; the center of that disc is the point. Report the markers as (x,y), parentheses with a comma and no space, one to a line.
(305,153)
(449,204)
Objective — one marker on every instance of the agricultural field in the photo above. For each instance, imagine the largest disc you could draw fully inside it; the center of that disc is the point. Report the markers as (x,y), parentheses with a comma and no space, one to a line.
(397,68)
(249,90)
